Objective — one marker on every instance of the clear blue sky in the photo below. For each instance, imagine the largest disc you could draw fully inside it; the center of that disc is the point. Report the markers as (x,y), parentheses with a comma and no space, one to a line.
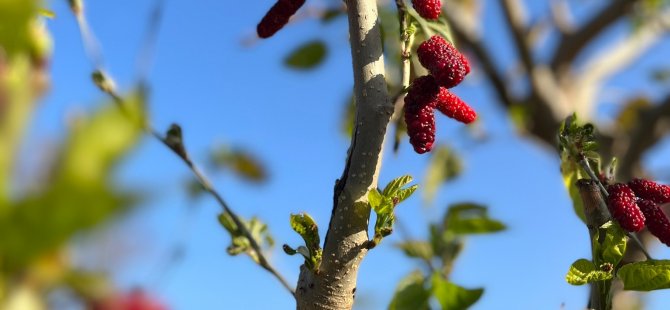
(219,90)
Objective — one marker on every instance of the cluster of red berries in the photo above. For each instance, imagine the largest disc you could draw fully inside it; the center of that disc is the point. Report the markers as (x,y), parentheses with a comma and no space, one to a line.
(428,9)
(637,204)
(133,300)
(447,67)
(277,17)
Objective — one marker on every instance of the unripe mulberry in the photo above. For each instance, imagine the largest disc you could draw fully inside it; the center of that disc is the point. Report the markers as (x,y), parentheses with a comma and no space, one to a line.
(650,190)
(428,9)
(656,221)
(277,17)
(419,117)
(443,61)
(452,106)
(623,207)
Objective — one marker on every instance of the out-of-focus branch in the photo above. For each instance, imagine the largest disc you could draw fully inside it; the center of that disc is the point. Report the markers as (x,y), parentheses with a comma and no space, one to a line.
(562,16)
(472,40)
(514,16)
(614,58)
(572,44)
(653,125)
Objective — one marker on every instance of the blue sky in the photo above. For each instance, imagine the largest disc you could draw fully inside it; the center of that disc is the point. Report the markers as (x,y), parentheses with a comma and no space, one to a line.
(222,91)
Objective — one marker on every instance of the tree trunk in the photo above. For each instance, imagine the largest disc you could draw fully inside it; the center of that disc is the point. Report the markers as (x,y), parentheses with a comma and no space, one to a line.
(333,286)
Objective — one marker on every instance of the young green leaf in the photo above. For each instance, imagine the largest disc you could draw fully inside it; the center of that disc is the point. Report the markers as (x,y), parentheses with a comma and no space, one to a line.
(612,246)
(307,56)
(306,227)
(411,293)
(469,218)
(646,275)
(584,271)
(392,188)
(451,296)
(375,199)
(444,166)
(420,249)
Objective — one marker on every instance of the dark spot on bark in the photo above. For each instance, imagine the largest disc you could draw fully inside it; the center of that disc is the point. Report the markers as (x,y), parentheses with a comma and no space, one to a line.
(311,285)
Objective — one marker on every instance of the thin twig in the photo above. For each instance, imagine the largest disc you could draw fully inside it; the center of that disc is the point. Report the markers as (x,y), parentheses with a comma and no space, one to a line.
(181,152)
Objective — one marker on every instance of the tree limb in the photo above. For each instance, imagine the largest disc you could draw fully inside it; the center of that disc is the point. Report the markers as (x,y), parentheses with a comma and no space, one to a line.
(571,44)
(513,11)
(333,285)
(474,43)
(653,125)
(612,59)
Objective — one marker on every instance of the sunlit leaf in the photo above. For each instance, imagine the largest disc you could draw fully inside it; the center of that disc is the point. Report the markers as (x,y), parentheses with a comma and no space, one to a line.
(420,249)
(241,162)
(452,296)
(584,271)
(444,166)
(411,294)
(96,142)
(468,218)
(392,187)
(610,243)
(646,275)
(16,17)
(307,56)
(306,227)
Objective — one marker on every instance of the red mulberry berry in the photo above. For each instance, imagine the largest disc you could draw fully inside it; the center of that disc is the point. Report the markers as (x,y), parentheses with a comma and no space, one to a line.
(277,17)
(650,190)
(623,207)
(656,221)
(452,106)
(428,9)
(443,61)
(419,117)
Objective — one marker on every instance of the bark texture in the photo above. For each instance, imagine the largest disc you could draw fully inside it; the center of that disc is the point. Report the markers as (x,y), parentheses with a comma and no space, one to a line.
(333,286)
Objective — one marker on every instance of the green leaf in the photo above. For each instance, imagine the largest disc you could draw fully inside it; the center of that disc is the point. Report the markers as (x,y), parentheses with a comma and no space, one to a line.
(571,173)
(411,294)
(420,249)
(306,227)
(613,245)
(645,276)
(96,142)
(394,186)
(239,242)
(444,166)
(307,56)
(16,19)
(469,218)
(452,296)
(406,192)
(375,199)
(240,162)
(584,271)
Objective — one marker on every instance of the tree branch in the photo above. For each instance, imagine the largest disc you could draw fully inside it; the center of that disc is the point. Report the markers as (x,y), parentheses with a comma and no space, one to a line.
(106,85)
(333,285)
(614,58)
(474,43)
(652,126)
(571,44)
(513,11)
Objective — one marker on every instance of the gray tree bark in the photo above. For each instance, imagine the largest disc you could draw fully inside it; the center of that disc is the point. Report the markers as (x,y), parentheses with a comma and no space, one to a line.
(333,285)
